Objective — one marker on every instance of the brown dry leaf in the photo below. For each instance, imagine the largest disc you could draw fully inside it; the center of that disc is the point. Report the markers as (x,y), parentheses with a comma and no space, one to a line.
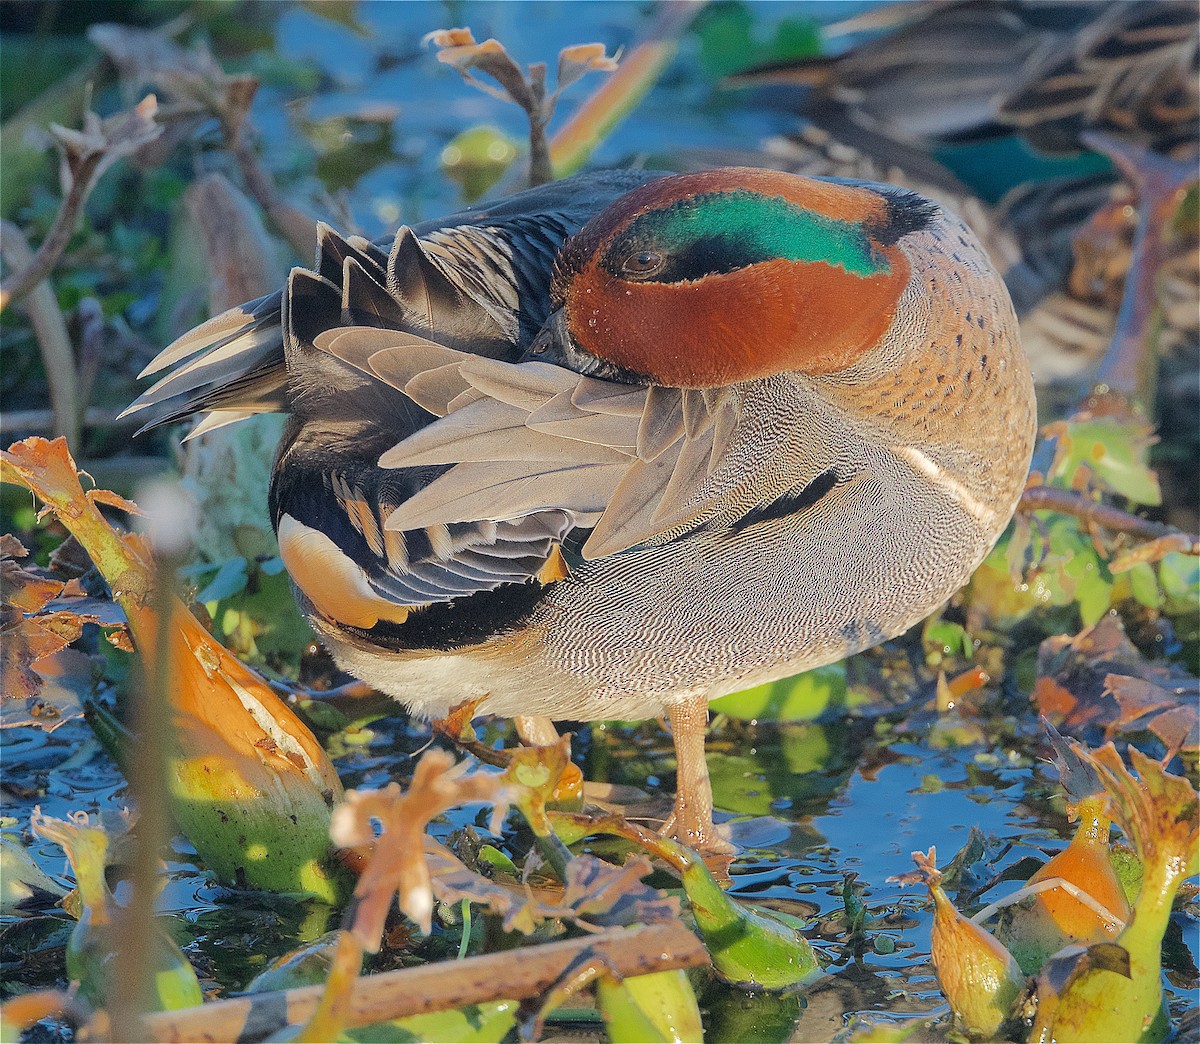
(192,79)
(89,152)
(457,724)
(453,881)
(398,866)
(40,616)
(457,48)
(1171,712)
(1096,685)
(1153,551)
(576,62)
(607,896)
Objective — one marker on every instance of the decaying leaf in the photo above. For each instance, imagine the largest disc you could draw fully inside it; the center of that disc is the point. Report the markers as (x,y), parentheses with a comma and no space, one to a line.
(596,893)
(1096,684)
(576,62)
(520,906)
(40,615)
(1158,812)
(192,79)
(1105,451)
(87,153)
(604,895)
(524,87)
(96,937)
(1170,712)
(397,865)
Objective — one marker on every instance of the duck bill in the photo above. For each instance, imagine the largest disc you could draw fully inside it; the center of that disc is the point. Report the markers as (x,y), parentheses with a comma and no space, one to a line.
(554,344)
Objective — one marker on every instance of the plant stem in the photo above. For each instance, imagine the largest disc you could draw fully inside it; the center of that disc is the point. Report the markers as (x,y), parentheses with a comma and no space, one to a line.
(50,328)
(1067,502)
(32,271)
(427,988)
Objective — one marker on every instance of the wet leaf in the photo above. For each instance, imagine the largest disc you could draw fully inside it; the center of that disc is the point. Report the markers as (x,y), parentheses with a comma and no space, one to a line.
(1171,712)
(475,1024)
(23,884)
(1158,812)
(518,906)
(41,683)
(803,697)
(608,896)
(643,1008)
(95,939)
(1110,451)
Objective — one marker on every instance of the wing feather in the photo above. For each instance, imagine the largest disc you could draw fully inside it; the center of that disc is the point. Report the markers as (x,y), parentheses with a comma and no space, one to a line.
(633,463)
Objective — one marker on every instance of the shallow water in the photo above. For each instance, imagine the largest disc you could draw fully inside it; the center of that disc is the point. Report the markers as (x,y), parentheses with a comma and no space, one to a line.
(808,803)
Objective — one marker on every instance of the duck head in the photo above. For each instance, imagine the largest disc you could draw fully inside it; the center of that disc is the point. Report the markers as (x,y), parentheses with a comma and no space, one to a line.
(713,278)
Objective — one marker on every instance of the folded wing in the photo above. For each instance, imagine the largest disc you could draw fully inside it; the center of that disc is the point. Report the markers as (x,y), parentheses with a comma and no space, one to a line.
(632,464)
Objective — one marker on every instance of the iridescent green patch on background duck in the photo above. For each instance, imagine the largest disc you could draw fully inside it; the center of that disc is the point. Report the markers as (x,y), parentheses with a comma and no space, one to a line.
(725,276)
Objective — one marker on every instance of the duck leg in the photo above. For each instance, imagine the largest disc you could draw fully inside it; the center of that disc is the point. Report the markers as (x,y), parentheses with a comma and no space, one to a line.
(691,823)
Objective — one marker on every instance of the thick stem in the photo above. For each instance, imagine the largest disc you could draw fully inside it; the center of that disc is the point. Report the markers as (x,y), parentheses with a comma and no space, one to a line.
(147,772)
(298,228)
(50,328)
(1160,184)
(416,991)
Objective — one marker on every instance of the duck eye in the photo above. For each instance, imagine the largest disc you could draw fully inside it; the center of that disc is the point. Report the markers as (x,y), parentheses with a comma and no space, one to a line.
(643,263)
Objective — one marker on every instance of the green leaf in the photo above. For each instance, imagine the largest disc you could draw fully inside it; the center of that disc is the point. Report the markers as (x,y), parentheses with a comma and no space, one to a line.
(491,856)
(230,579)
(1179,576)
(1144,585)
(795,38)
(476,1024)
(1115,451)
(643,1008)
(477,158)
(1093,586)
(853,909)
(749,945)
(802,697)
(943,638)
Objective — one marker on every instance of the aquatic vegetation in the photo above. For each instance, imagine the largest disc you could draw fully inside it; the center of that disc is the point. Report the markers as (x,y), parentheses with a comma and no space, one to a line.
(487,890)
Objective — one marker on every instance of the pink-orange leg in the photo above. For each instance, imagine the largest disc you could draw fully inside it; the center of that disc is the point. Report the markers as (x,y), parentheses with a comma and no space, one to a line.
(691,823)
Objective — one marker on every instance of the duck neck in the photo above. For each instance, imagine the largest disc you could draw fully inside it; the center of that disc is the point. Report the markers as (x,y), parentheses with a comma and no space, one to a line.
(949,382)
